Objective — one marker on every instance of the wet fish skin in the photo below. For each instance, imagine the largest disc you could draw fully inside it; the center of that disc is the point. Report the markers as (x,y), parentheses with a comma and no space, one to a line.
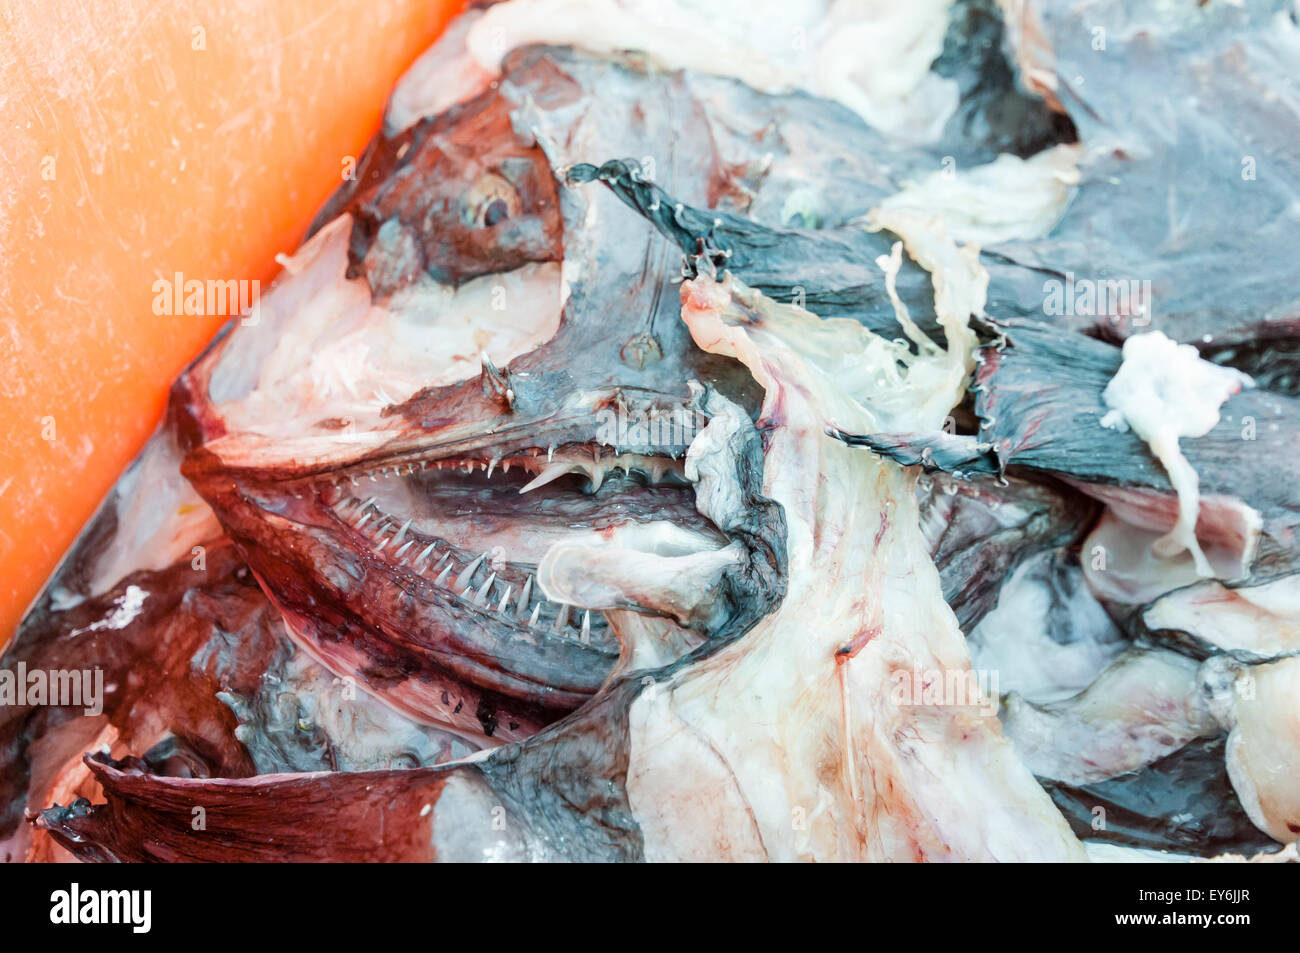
(994,115)
(1039,399)
(1183,801)
(830,271)
(937,452)
(1159,184)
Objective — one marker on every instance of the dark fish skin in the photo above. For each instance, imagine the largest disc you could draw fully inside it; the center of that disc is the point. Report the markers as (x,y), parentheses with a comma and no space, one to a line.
(1268,351)
(958,454)
(1188,115)
(979,531)
(994,115)
(1184,802)
(1038,396)
(826,261)
(830,271)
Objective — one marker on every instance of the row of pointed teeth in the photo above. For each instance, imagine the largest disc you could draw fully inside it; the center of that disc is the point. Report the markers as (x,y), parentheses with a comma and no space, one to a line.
(656,469)
(368,519)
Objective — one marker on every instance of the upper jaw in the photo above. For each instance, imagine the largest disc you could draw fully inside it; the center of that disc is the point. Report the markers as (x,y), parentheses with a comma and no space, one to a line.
(462,425)
(538,471)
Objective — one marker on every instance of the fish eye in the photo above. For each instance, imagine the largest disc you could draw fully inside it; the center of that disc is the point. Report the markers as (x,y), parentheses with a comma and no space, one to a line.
(490,201)
(497,211)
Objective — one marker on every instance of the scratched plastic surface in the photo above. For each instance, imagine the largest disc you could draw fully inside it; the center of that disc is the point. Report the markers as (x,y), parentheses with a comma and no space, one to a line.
(139,140)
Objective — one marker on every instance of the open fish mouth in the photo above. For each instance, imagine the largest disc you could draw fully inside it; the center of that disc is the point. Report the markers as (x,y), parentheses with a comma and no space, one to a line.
(443,557)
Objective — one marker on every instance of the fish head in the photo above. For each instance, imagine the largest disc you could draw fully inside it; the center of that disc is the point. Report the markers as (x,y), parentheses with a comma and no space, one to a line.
(454,197)
(457,486)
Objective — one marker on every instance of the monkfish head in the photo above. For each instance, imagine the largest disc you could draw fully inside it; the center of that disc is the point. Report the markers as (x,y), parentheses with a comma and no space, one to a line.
(459,454)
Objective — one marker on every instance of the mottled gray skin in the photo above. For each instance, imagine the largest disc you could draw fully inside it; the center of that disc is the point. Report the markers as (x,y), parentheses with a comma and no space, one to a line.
(976,545)
(1169,113)
(1038,399)
(1183,802)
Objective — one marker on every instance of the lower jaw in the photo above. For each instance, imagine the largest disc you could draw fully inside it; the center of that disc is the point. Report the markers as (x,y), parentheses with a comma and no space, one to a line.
(388,633)
(425,693)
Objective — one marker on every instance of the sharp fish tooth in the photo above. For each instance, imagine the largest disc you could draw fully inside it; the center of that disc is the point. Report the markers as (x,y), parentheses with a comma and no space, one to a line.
(505,598)
(562,618)
(401,533)
(425,554)
(379,548)
(551,473)
(404,547)
(481,596)
(597,477)
(467,574)
(524,596)
(532,619)
(491,466)
(442,576)
(586,627)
